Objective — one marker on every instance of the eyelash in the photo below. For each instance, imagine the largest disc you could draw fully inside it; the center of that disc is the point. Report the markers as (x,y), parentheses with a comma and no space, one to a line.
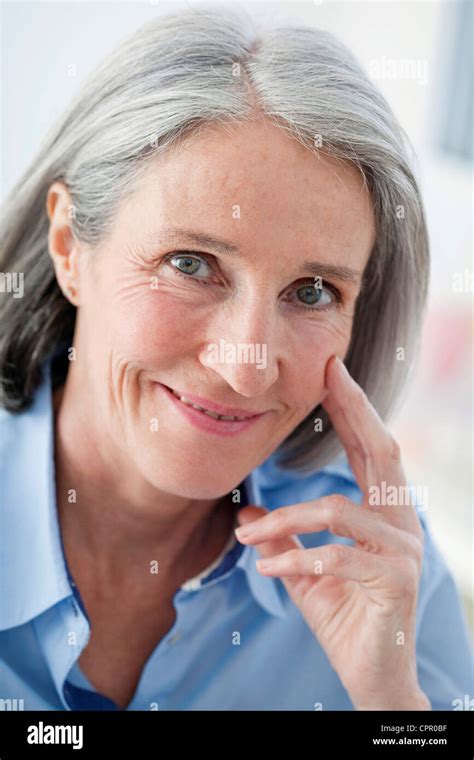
(332,288)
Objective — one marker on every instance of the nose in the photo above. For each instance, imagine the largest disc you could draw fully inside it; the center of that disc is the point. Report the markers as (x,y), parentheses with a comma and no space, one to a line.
(241,345)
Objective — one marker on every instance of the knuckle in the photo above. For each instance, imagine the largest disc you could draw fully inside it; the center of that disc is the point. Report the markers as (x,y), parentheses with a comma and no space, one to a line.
(338,512)
(360,451)
(336,554)
(279,518)
(293,558)
(299,558)
(338,504)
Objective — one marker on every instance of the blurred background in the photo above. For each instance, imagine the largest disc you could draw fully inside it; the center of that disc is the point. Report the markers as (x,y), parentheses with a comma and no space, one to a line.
(420,56)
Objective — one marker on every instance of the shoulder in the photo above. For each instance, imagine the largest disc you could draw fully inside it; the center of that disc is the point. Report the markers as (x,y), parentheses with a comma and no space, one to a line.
(25,441)
(14,428)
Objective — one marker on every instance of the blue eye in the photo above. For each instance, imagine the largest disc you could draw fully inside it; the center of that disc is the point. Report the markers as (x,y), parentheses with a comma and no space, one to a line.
(195,266)
(189,265)
(310,296)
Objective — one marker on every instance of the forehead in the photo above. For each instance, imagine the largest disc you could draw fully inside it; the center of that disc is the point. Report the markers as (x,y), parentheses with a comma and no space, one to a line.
(258,187)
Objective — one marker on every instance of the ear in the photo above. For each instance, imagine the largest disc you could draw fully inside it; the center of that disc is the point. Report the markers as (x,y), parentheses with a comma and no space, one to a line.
(62,245)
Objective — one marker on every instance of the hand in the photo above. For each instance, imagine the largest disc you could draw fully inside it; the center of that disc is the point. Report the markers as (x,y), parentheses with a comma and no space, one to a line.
(360,600)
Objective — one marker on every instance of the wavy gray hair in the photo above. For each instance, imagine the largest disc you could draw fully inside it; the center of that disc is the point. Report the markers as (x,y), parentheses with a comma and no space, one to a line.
(171,77)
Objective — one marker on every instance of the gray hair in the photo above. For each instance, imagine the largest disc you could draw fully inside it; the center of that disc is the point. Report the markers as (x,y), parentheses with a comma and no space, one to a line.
(173,76)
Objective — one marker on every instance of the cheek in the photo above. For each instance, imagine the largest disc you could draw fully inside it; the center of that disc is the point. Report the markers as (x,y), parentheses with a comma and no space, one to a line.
(310,355)
(151,327)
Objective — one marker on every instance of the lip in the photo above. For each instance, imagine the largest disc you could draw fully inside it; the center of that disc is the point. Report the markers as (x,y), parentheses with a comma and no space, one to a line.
(211,406)
(205,422)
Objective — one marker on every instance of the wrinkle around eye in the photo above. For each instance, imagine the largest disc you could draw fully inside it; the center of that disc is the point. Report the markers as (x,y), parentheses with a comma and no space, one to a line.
(137,255)
(340,302)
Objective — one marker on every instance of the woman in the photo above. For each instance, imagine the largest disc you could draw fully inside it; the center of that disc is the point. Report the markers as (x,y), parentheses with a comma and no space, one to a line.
(222,216)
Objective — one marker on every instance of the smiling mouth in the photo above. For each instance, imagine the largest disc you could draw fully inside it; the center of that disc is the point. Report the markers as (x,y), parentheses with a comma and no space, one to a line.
(223,417)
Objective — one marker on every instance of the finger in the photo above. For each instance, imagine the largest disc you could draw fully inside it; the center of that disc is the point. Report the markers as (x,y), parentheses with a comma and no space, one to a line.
(248,515)
(296,587)
(357,455)
(360,427)
(340,516)
(372,452)
(337,560)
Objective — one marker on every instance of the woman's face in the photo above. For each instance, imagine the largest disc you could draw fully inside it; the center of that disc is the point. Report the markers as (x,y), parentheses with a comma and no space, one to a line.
(242,327)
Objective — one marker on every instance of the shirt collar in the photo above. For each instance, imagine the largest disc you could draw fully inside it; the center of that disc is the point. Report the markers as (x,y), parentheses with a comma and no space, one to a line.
(271,476)
(29,515)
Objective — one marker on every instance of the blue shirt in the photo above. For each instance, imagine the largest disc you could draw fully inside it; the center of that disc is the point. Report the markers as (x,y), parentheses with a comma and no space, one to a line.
(238,641)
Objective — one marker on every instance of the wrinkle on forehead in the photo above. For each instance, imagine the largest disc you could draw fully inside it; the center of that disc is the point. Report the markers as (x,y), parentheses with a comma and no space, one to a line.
(285,195)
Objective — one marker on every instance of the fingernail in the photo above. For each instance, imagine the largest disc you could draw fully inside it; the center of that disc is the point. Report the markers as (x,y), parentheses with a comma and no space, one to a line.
(244,531)
(341,366)
(263,564)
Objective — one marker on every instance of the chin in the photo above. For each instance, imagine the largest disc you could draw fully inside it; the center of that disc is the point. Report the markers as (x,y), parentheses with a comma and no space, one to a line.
(196,489)
(191,481)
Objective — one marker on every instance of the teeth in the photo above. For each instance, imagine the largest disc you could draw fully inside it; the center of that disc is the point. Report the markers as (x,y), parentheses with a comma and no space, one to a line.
(184,400)
(211,414)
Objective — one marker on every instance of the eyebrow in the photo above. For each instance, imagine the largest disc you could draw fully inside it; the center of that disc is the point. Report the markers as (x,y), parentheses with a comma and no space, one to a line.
(316,268)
